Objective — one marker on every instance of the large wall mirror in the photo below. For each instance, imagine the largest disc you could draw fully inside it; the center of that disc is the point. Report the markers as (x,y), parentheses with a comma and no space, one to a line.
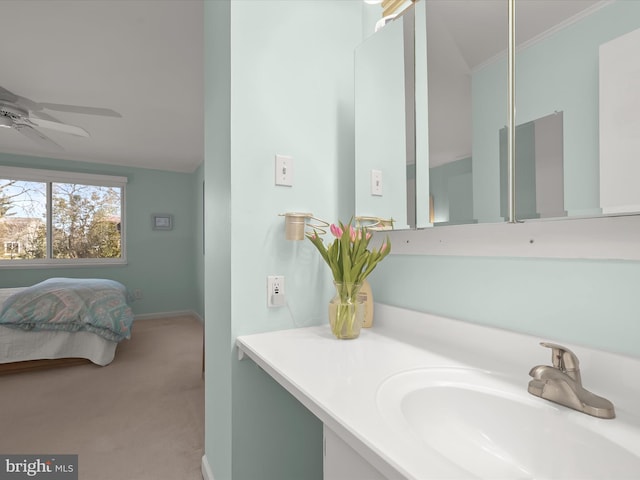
(466,100)
(586,66)
(384,130)
(577,102)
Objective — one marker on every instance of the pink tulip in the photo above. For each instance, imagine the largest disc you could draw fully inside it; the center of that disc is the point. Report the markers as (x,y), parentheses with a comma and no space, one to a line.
(383,247)
(336,230)
(313,236)
(352,233)
(368,235)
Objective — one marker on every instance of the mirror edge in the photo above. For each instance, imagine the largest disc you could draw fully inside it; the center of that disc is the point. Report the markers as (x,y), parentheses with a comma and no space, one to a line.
(575,238)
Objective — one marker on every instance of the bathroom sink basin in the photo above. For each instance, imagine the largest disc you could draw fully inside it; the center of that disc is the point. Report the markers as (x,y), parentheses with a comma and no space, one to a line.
(491,428)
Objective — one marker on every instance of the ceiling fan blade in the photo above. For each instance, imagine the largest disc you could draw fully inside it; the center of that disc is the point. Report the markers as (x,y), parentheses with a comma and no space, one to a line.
(60,127)
(38,137)
(7,95)
(45,116)
(31,106)
(105,112)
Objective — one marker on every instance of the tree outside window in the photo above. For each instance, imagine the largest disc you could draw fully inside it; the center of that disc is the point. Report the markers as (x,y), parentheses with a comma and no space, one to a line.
(85,220)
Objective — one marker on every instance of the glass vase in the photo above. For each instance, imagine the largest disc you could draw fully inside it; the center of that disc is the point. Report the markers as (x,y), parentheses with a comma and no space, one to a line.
(346,311)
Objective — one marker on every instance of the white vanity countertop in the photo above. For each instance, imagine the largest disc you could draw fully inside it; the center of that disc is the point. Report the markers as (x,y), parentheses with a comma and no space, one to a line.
(338,380)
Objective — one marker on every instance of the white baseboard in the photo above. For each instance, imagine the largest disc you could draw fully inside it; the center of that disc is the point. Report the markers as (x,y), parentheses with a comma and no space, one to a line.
(178,313)
(207,474)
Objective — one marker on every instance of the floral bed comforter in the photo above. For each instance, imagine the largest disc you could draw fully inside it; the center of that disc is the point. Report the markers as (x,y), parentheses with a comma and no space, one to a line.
(71,304)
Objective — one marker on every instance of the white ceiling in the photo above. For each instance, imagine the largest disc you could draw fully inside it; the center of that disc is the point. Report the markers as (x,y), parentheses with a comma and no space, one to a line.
(141,58)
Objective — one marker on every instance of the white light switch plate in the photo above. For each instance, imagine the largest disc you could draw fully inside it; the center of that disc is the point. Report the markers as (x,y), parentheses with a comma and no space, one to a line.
(376,182)
(284,170)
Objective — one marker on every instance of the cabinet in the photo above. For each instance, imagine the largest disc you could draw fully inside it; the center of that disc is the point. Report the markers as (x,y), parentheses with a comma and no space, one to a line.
(341,462)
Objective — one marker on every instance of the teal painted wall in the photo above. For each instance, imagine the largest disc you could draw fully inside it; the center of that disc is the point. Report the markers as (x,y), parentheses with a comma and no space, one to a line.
(587,302)
(279,79)
(219,356)
(198,244)
(161,263)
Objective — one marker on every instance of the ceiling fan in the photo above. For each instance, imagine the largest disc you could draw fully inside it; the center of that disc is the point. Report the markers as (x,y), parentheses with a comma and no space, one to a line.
(24,115)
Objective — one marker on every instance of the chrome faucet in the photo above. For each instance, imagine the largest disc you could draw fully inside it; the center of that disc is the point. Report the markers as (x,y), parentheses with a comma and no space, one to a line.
(561,384)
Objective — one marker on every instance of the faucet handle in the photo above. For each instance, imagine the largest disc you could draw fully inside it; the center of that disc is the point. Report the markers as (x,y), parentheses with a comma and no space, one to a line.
(562,358)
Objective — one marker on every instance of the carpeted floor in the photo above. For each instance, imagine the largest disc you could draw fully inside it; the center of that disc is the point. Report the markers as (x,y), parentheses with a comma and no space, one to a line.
(139,418)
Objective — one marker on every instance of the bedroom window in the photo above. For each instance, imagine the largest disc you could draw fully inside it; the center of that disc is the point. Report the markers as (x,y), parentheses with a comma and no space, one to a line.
(51,217)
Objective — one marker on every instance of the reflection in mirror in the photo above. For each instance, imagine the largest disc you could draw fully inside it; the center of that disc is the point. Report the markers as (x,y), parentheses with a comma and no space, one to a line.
(620,124)
(451,193)
(586,65)
(539,169)
(464,99)
(578,57)
(384,124)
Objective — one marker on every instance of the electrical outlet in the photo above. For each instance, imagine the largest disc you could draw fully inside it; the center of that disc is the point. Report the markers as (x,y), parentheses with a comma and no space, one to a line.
(275,291)
(137,294)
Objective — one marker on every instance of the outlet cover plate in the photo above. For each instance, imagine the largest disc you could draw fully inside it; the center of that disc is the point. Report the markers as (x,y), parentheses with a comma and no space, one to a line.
(275,291)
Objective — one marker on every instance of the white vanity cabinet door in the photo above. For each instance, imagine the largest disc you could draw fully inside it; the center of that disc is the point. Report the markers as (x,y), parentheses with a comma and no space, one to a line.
(341,462)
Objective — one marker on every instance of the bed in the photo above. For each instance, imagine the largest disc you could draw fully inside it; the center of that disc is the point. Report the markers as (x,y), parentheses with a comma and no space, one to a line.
(62,321)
